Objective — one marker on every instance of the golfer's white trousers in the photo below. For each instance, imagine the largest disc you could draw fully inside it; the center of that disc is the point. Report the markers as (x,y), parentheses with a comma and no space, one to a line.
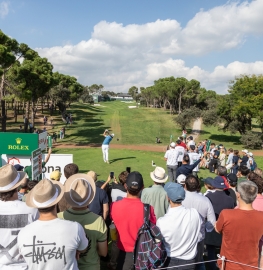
(105,152)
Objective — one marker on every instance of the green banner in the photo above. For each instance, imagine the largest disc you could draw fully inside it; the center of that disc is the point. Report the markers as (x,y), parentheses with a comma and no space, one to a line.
(18,143)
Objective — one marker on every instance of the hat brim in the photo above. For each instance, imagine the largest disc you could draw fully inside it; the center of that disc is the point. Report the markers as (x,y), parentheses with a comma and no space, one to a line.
(30,196)
(159,180)
(21,179)
(67,186)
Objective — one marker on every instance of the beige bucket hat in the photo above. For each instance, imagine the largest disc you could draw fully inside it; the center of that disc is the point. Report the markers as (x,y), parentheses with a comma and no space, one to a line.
(10,178)
(45,194)
(80,190)
(159,175)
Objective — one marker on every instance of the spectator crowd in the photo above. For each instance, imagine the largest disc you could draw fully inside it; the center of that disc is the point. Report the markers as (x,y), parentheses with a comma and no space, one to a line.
(49,224)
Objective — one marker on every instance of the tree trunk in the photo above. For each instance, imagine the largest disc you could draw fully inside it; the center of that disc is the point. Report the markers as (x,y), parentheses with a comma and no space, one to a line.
(3,110)
(179,103)
(33,113)
(26,116)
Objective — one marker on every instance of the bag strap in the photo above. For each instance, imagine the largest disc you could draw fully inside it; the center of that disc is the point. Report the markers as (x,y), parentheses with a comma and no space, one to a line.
(146,208)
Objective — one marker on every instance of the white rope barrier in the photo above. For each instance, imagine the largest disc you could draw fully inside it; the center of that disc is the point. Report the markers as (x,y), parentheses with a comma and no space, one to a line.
(225,260)
(222,258)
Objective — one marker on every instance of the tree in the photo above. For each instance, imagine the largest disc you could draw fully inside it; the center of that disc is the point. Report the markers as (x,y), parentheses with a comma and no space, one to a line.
(9,49)
(133,91)
(65,91)
(186,118)
(251,140)
(243,103)
(33,78)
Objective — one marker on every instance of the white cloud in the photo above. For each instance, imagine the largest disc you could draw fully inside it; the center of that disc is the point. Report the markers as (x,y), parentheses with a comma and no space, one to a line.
(4,9)
(216,80)
(119,56)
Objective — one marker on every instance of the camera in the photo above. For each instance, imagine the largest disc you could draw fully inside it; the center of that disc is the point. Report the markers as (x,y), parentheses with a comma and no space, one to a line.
(111,175)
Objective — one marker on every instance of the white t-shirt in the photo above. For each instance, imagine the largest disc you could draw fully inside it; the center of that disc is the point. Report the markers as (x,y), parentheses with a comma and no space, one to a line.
(14,215)
(172,156)
(180,150)
(182,237)
(190,143)
(193,158)
(52,244)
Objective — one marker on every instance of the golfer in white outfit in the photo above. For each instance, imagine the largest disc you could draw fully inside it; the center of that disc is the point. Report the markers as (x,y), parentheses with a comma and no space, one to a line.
(105,145)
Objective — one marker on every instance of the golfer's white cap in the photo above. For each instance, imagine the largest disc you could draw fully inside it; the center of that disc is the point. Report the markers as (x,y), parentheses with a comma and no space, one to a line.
(112,135)
(181,179)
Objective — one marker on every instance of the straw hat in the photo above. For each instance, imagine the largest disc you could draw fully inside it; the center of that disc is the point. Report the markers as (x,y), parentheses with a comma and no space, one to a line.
(79,190)
(159,175)
(10,178)
(45,194)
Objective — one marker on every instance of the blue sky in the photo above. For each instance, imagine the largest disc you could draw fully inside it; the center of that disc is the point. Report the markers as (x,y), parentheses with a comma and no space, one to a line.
(124,43)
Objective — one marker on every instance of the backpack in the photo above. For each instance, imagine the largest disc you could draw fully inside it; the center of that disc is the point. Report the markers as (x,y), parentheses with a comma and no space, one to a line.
(149,251)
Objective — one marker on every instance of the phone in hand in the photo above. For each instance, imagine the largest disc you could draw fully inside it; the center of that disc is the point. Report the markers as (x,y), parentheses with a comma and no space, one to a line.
(111,175)
(128,169)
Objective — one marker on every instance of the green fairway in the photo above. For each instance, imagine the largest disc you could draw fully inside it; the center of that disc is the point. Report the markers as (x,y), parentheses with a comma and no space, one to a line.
(131,126)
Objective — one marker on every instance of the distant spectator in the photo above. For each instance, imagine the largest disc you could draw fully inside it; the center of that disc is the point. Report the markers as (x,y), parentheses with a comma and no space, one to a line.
(208,185)
(235,161)
(171,157)
(156,196)
(229,162)
(55,175)
(243,172)
(100,203)
(232,180)
(193,158)
(186,169)
(69,170)
(244,159)
(23,189)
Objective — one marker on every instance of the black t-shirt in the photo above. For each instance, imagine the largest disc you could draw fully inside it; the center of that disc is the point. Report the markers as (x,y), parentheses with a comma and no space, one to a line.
(230,192)
(220,201)
(100,198)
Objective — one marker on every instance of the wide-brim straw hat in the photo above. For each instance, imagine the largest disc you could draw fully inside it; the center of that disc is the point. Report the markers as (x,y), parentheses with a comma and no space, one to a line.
(45,194)
(10,178)
(159,175)
(80,190)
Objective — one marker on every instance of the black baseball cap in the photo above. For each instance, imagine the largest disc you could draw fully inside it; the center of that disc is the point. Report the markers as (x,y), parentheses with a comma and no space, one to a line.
(135,181)
(232,178)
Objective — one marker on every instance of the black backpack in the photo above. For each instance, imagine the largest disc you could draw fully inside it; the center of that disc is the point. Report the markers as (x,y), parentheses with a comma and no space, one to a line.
(149,250)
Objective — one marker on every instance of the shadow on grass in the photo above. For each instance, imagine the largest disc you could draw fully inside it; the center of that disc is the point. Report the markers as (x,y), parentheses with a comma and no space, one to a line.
(117,159)
(226,138)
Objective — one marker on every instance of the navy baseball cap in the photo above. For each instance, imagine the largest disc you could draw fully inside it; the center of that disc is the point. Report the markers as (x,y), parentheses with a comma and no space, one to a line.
(19,168)
(134,181)
(175,192)
(218,182)
(208,181)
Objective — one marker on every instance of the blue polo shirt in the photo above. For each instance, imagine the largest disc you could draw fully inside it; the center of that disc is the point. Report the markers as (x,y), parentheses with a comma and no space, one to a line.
(107,140)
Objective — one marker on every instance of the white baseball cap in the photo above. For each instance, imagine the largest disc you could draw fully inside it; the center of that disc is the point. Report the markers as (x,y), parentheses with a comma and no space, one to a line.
(172,144)
(250,154)
(112,134)
(245,151)
(181,179)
